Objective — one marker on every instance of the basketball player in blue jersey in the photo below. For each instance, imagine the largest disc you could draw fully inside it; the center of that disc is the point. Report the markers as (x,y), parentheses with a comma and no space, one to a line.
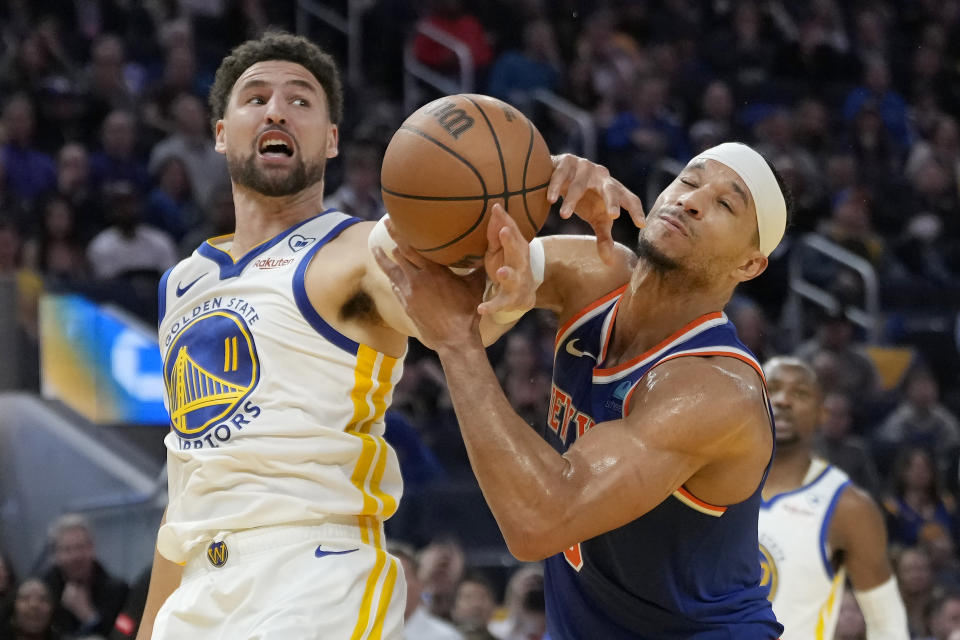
(281,343)
(643,489)
(817,529)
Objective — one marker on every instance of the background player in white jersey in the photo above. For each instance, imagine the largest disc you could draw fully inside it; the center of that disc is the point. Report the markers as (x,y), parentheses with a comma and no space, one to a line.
(281,344)
(816,528)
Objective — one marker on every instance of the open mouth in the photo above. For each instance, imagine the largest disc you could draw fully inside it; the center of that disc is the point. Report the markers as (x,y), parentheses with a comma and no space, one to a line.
(275,144)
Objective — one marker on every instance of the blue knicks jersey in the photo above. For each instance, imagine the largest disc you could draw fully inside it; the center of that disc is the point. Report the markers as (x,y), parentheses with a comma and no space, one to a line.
(686,569)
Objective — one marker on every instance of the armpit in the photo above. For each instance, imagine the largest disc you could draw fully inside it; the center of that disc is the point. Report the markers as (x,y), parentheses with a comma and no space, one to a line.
(361,307)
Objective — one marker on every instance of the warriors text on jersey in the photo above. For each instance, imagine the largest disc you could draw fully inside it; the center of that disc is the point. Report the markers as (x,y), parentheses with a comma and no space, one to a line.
(804,587)
(276,417)
(686,569)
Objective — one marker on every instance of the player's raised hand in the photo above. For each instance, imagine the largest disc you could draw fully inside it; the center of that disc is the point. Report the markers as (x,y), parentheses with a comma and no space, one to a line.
(593,194)
(512,290)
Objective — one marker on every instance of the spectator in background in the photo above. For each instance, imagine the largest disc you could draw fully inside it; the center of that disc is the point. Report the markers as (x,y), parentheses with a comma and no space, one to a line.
(218,220)
(170,205)
(32,614)
(128,620)
(526,382)
(920,420)
(877,91)
(606,66)
(128,245)
(716,123)
(74,183)
(29,172)
(518,72)
(850,622)
(57,250)
(915,579)
(836,442)
(442,564)
(8,586)
(944,147)
(944,619)
(118,158)
(359,195)
(451,17)
(11,208)
(941,548)
(179,77)
(419,623)
(915,501)
(473,607)
(522,619)
(753,329)
(854,374)
(104,84)
(644,133)
(192,144)
(87,598)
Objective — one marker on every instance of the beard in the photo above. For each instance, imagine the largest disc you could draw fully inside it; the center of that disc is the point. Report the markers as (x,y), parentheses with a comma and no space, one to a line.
(661,263)
(245,172)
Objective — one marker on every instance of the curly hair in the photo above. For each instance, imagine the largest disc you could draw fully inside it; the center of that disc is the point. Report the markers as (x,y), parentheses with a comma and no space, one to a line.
(277,45)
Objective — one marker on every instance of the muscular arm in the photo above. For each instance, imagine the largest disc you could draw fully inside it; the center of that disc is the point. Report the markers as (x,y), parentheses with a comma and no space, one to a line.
(858,531)
(164,580)
(545,502)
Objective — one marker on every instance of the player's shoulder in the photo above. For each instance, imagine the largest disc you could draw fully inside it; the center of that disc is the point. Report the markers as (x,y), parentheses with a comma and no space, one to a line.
(855,512)
(726,380)
(575,277)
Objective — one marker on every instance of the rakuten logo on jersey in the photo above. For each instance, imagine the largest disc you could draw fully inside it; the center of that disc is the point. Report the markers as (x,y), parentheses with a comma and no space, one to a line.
(272,263)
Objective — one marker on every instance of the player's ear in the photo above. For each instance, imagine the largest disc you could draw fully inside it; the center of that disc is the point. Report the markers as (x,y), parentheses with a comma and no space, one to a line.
(754,265)
(333,149)
(221,143)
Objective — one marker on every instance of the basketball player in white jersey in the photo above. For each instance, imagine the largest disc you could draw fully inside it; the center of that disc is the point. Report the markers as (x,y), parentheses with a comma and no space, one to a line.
(282,344)
(817,529)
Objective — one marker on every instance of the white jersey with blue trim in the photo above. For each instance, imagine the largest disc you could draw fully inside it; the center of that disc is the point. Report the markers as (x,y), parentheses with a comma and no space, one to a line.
(276,417)
(805,591)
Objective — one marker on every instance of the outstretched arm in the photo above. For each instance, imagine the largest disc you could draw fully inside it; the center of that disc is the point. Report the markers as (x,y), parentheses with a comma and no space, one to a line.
(545,502)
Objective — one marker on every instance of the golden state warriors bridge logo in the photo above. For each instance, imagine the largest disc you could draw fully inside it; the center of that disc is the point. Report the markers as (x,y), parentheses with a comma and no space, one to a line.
(210,367)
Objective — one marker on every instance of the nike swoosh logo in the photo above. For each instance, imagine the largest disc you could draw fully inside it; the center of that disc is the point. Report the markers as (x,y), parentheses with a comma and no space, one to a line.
(320,553)
(183,289)
(576,353)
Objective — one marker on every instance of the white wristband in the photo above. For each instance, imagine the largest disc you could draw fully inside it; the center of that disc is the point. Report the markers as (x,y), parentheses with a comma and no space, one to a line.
(380,237)
(883,611)
(537,265)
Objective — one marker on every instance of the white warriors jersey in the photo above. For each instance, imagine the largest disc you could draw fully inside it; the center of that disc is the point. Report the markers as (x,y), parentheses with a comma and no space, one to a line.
(805,591)
(276,418)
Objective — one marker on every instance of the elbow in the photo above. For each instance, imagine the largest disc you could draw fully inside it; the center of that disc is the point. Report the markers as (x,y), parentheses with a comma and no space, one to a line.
(527,543)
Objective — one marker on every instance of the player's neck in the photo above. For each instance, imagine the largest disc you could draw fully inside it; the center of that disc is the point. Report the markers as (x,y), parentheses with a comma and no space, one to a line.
(789,468)
(260,217)
(653,307)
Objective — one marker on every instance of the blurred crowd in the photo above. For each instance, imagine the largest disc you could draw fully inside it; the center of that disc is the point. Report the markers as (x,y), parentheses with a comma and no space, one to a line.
(108,176)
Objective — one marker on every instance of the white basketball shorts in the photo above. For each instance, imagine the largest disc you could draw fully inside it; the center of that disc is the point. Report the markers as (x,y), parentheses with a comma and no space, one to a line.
(324,582)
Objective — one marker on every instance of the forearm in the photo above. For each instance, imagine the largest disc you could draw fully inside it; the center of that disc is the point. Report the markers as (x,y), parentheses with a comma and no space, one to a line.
(520,475)
(164,580)
(883,612)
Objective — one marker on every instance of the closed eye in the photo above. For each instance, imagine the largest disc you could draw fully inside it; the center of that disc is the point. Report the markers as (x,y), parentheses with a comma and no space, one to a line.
(724,203)
(687,182)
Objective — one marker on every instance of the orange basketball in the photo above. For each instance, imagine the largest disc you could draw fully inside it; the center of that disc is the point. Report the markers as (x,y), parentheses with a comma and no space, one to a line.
(450,162)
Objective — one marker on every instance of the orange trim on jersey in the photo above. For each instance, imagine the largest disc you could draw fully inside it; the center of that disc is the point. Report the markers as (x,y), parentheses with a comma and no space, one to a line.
(696,503)
(593,305)
(663,343)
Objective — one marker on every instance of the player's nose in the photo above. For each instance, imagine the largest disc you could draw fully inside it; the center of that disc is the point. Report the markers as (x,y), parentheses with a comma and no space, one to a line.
(691,202)
(275,112)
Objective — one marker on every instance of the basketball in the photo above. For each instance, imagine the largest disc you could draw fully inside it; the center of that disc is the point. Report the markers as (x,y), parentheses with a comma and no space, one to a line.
(450,162)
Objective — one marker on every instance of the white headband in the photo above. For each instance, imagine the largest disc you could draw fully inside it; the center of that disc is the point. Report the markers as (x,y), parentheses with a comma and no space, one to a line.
(767,197)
